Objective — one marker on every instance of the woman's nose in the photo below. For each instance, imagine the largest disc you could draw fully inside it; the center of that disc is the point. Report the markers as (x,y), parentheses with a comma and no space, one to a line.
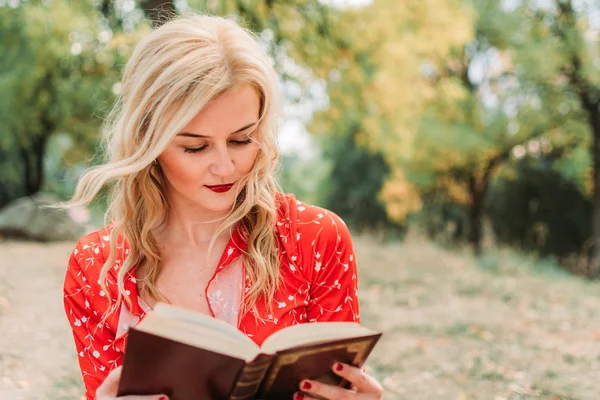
(223,164)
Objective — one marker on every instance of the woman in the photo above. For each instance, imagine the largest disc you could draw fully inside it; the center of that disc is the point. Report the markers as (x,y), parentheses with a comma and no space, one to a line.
(196,219)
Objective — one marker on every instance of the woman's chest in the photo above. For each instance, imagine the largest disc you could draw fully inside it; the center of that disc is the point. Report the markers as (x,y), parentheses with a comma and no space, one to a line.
(184,279)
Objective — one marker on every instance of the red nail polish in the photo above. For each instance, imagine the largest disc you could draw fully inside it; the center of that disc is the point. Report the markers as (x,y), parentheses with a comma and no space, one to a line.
(298,396)
(163,398)
(306,386)
(339,367)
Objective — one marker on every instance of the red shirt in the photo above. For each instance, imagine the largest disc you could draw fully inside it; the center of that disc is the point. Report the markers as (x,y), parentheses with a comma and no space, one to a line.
(318,270)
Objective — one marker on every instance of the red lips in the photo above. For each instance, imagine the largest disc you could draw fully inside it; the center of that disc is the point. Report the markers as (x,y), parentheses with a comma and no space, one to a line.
(220,188)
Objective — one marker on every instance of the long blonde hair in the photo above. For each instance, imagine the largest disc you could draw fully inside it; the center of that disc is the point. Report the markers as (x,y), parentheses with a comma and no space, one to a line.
(173,73)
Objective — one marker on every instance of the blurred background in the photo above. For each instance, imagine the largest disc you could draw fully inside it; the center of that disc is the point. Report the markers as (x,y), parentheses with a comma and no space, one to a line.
(459,140)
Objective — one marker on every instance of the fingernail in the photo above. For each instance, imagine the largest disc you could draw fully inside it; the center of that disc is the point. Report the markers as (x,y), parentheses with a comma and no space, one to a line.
(163,398)
(306,385)
(298,396)
(338,367)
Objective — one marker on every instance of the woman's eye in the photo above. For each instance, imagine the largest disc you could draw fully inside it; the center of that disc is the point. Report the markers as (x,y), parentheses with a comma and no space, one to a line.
(194,150)
(199,149)
(242,142)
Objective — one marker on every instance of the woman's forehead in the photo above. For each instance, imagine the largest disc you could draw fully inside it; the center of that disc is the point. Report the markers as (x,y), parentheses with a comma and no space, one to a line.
(232,111)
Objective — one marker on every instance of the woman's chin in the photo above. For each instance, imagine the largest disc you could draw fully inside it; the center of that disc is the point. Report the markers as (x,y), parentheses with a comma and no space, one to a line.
(221,205)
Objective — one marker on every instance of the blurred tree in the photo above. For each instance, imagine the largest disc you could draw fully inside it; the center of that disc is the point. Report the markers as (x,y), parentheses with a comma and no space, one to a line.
(56,76)
(523,206)
(554,52)
(377,96)
(356,172)
(10,179)
(357,175)
(462,141)
(305,177)
(480,112)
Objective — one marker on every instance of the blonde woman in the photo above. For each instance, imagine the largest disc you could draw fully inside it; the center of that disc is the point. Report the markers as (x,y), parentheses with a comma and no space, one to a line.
(196,218)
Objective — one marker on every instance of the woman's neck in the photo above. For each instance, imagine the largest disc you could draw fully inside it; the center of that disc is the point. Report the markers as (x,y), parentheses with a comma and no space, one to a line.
(185,229)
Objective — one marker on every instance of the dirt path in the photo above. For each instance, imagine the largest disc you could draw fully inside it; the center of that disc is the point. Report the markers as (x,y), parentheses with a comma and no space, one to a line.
(37,352)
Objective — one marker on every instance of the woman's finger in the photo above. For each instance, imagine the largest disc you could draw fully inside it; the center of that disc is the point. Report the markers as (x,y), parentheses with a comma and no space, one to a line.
(315,388)
(302,396)
(360,380)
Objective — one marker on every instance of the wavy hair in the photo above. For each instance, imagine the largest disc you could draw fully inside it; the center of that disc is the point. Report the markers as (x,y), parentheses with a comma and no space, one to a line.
(175,71)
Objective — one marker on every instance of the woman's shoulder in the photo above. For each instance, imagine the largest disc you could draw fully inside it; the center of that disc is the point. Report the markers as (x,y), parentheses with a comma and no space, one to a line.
(91,251)
(306,225)
(96,243)
(302,214)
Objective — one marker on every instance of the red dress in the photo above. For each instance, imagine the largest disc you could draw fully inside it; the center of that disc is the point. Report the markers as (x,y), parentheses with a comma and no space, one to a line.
(319,275)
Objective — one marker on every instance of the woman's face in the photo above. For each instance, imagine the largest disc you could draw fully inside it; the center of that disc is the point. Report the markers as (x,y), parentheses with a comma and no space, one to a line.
(205,162)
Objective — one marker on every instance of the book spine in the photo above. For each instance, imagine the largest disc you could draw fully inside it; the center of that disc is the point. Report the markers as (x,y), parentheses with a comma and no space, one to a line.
(250,378)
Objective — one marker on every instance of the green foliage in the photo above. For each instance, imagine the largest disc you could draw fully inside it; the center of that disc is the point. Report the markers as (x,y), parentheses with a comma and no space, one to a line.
(495,95)
(60,62)
(304,177)
(356,175)
(442,219)
(56,74)
(533,207)
(10,181)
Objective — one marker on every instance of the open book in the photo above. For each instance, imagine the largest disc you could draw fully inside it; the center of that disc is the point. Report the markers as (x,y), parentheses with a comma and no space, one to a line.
(191,356)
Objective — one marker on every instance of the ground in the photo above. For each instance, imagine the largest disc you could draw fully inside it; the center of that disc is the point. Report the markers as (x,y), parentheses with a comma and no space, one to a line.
(502,327)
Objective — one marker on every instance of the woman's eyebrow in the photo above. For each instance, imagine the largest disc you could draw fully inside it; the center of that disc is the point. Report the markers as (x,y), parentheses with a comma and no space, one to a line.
(197,135)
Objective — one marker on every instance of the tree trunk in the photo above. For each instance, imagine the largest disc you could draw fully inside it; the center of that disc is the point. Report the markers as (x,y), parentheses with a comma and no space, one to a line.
(588,94)
(40,152)
(27,171)
(591,106)
(33,165)
(478,191)
(475,214)
(158,11)
(595,255)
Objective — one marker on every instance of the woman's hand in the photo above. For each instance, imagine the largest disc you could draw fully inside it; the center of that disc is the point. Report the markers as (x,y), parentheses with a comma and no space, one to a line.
(364,387)
(110,386)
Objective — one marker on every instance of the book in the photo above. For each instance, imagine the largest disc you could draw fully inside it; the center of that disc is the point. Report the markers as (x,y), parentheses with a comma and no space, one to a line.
(189,356)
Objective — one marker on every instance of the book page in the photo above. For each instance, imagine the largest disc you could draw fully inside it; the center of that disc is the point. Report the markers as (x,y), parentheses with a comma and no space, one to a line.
(198,330)
(197,318)
(312,333)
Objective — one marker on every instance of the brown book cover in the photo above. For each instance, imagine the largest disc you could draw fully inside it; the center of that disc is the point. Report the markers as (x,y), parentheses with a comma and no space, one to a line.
(291,366)
(156,365)
(175,354)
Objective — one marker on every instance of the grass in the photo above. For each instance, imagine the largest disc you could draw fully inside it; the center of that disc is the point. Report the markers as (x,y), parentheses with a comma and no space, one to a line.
(503,326)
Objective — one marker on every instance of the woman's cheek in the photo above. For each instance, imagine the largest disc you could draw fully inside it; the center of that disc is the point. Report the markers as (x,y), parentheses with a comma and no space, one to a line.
(184,172)
(249,161)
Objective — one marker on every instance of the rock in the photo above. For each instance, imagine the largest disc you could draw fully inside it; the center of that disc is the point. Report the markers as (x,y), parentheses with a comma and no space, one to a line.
(28,218)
